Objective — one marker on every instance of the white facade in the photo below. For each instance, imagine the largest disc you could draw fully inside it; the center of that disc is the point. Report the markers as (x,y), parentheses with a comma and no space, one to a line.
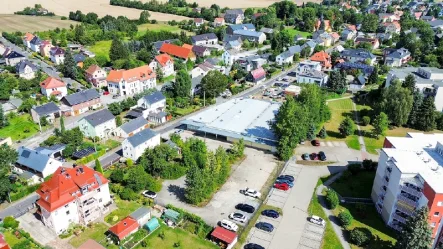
(308,65)
(230,56)
(48,92)
(27,73)
(167,70)
(35,47)
(129,151)
(58,59)
(280,59)
(103,130)
(151,107)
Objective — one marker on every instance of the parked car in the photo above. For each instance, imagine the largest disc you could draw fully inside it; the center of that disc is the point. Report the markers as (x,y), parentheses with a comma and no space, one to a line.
(317,220)
(178,131)
(105,93)
(114,96)
(238,217)
(313,156)
(265,226)
(150,194)
(315,142)
(251,192)
(270,213)
(245,208)
(287,177)
(290,184)
(253,246)
(322,156)
(229,225)
(281,186)
(305,157)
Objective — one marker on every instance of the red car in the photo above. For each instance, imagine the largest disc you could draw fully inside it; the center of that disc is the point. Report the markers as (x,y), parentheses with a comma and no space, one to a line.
(315,142)
(281,186)
(313,156)
(105,93)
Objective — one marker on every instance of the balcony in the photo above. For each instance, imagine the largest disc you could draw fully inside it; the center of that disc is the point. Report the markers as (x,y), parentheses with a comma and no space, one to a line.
(396,226)
(404,209)
(411,190)
(386,180)
(383,189)
(399,218)
(404,199)
(388,171)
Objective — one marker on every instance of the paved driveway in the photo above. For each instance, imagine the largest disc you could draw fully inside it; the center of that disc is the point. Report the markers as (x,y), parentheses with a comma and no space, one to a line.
(38,231)
(335,151)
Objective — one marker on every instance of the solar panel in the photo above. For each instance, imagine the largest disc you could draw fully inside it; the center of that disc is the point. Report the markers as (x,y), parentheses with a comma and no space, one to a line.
(83,153)
(26,154)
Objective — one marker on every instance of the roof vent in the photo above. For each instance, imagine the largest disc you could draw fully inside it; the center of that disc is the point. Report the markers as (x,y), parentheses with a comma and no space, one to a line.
(124,224)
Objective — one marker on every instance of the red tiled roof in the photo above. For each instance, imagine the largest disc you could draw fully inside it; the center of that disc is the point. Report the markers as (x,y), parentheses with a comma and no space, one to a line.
(335,35)
(3,243)
(418,14)
(163,59)
(124,227)
(257,15)
(219,20)
(321,56)
(28,37)
(224,235)
(177,51)
(52,83)
(92,69)
(65,184)
(395,23)
(198,20)
(188,46)
(138,73)
(258,73)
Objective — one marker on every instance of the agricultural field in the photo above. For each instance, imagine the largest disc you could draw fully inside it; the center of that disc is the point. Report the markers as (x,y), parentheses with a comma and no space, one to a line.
(12,23)
(161,26)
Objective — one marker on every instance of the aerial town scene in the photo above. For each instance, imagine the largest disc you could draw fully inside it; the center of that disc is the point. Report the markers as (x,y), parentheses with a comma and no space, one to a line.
(202,124)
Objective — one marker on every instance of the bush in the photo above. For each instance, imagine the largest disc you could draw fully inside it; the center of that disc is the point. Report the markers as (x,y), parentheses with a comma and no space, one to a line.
(360,236)
(128,194)
(64,18)
(345,218)
(172,171)
(366,120)
(354,168)
(369,165)
(10,222)
(129,162)
(332,199)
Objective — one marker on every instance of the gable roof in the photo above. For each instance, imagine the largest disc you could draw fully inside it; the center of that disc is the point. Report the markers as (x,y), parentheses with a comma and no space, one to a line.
(66,184)
(92,69)
(359,53)
(267,30)
(204,37)
(141,137)
(52,82)
(176,51)
(321,56)
(99,117)
(124,227)
(245,26)
(138,73)
(140,213)
(198,20)
(57,51)
(249,33)
(14,55)
(154,97)
(134,124)
(219,20)
(157,45)
(28,37)
(33,159)
(224,235)
(91,244)
(81,97)
(199,49)
(162,59)
(46,109)
(3,243)
(258,73)
(79,57)
(234,12)
(20,67)
(36,41)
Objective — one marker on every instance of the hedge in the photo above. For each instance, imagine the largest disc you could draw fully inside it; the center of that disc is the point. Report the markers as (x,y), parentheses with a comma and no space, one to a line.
(91,157)
(202,230)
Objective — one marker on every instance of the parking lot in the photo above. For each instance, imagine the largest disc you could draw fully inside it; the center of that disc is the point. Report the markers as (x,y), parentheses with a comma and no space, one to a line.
(252,172)
(336,151)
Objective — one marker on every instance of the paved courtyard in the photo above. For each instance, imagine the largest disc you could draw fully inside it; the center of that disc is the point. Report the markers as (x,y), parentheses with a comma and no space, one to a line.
(35,227)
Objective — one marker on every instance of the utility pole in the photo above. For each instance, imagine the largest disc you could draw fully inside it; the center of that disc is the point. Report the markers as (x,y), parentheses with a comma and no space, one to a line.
(204,98)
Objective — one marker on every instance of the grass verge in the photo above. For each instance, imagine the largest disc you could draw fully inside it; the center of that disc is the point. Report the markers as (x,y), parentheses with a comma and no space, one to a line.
(95,232)
(359,186)
(124,208)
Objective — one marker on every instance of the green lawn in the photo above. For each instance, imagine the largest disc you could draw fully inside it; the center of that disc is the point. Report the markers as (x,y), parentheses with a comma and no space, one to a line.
(330,239)
(359,186)
(96,232)
(185,111)
(11,238)
(124,209)
(293,32)
(20,127)
(101,48)
(177,235)
(159,27)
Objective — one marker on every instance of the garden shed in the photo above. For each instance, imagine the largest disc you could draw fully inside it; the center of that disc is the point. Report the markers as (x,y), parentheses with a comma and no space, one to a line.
(152,224)
(171,215)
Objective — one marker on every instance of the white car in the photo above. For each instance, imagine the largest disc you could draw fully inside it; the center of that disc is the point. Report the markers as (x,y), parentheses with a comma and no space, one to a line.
(317,220)
(229,225)
(238,217)
(150,194)
(251,192)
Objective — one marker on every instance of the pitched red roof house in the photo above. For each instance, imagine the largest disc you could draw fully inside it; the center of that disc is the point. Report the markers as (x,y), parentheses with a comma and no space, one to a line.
(257,75)
(188,46)
(322,57)
(3,243)
(177,51)
(124,228)
(163,59)
(65,186)
(28,37)
(224,235)
(198,20)
(52,83)
(138,73)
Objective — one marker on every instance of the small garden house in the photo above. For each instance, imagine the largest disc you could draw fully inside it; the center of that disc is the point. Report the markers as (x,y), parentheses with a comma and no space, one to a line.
(152,225)
(171,216)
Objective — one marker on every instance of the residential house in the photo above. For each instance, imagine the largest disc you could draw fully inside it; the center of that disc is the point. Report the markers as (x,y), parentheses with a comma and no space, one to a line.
(366,70)
(79,59)
(235,27)
(154,105)
(141,215)
(252,62)
(35,44)
(255,16)
(99,124)
(396,57)
(324,59)
(134,146)
(33,161)
(234,16)
(88,53)
(200,51)
(74,47)
(252,36)
(323,25)
(91,244)
(3,243)
(57,55)
(230,56)
(268,32)
(27,39)
(312,76)
(50,111)
(132,81)
(96,76)
(308,65)
(311,44)
(157,45)
(52,86)
(12,105)
(436,24)
(81,102)
(335,37)
(45,48)
(388,17)
(256,76)
(418,15)
(124,228)
(358,55)
(428,18)
(218,22)
(132,127)
(77,195)
(204,68)
(204,39)
(25,69)
(235,45)
(3,48)
(284,58)
(164,62)
(13,58)
(348,34)
(232,38)
(198,22)
(373,41)
(178,52)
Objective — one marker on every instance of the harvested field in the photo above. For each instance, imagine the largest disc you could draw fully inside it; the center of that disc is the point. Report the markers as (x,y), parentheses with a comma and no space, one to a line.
(100,7)
(12,23)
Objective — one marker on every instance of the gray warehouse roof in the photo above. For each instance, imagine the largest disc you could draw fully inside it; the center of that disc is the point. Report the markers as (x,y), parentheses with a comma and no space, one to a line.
(141,137)
(99,117)
(134,125)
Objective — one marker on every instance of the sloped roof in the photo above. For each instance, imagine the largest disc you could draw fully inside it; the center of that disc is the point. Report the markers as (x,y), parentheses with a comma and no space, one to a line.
(204,37)
(57,51)
(36,41)
(92,69)
(52,82)
(79,57)
(28,37)
(14,55)
(219,20)
(134,124)
(199,49)
(321,56)
(99,117)
(140,213)
(46,109)
(20,67)
(124,227)
(138,73)
(176,51)
(91,244)
(234,12)
(154,97)
(33,159)
(81,97)
(359,53)
(163,59)
(224,235)
(258,73)
(198,20)
(141,137)
(244,26)
(249,33)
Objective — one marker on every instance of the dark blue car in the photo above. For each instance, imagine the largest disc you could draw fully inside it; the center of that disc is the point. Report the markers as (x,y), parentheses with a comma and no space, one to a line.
(265,226)
(270,213)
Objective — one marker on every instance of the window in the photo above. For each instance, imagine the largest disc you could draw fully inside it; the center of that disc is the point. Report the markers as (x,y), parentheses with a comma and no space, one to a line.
(67,212)
(440,203)
(98,190)
(437,214)
(433,224)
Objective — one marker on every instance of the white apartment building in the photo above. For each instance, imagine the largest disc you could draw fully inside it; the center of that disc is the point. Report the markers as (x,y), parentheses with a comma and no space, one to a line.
(410,175)
(134,146)
(132,81)
(73,196)
(230,56)
(152,103)
(165,63)
(310,72)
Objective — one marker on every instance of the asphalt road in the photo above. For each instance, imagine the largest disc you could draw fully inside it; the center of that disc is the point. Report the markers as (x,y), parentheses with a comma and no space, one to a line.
(19,207)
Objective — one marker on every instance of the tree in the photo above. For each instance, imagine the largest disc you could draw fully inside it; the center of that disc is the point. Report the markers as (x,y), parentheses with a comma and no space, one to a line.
(10,222)
(373,77)
(380,124)
(361,236)
(117,176)
(69,65)
(370,23)
(323,133)
(332,199)
(118,121)
(27,105)
(159,73)
(311,132)
(115,108)
(415,111)
(337,81)
(347,127)
(305,52)
(160,159)
(144,17)
(89,62)
(238,148)
(426,117)
(194,185)
(181,87)
(137,178)
(44,121)
(118,50)
(98,167)
(409,83)
(366,120)
(3,119)
(416,233)
(62,124)
(396,102)
(213,84)
(345,218)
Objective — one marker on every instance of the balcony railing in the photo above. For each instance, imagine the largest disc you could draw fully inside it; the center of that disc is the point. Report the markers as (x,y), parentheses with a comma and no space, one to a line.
(388,171)
(386,180)
(396,227)
(407,201)
(399,218)
(411,191)
(404,210)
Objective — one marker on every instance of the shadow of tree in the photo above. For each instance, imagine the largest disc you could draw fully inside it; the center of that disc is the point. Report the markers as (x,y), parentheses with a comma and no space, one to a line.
(178,191)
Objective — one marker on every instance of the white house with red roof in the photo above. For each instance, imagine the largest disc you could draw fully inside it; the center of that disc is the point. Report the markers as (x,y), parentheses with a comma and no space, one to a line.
(96,76)
(57,55)
(392,27)
(77,195)
(52,86)
(198,22)
(132,81)
(256,76)
(27,38)
(164,62)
